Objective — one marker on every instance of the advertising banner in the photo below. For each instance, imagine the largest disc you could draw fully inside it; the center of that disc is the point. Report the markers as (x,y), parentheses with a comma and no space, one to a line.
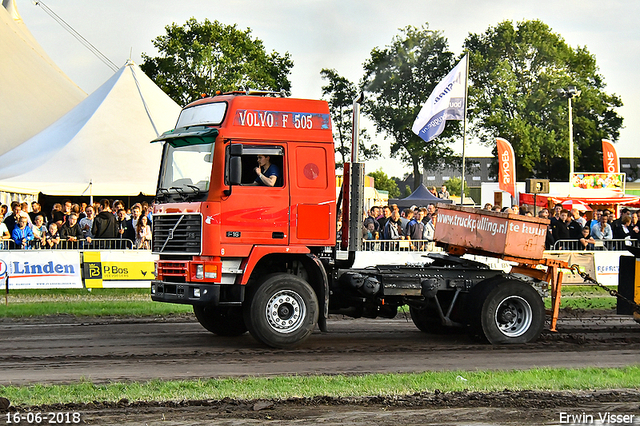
(29,269)
(614,181)
(506,167)
(610,157)
(607,266)
(118,269)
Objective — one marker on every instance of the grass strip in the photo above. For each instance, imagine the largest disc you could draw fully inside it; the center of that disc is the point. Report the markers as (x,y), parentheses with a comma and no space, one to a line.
(549,379)
(137,302)
(82,302)
(92,309)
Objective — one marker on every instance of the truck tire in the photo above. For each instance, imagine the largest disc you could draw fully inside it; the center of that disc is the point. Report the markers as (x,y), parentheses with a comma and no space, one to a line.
(508,312)
(221,320)
(281,311)
(427,320)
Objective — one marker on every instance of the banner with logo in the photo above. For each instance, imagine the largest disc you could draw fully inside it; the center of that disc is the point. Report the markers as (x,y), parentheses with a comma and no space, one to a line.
(613,181)
(610,157)
(28,269)
(506,167)
(118,269)
(446,102)
(607,266)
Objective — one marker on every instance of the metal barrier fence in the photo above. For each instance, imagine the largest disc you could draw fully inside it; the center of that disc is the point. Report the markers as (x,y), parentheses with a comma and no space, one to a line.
(95,244)
(398,245)
(599,245)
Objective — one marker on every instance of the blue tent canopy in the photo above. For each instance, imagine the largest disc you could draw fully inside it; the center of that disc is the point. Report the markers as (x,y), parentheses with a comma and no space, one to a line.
(421,197)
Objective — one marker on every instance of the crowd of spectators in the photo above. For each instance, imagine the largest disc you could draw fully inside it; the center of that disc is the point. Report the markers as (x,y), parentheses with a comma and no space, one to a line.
(568,229)
(571,229)
(72,225)
(389,223)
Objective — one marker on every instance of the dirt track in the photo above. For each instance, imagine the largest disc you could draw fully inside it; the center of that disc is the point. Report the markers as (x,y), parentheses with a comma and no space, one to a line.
(64,349)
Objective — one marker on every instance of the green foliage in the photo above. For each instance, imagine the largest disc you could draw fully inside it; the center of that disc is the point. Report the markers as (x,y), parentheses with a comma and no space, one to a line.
(453,186)
(81,302)
(407,190)
(198,58)
(398,80)
(515,73)
(384,183)
(341,93)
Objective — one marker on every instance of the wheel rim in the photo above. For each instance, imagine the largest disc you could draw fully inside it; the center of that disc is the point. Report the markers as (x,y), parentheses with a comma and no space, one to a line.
(285,311)
(513,316)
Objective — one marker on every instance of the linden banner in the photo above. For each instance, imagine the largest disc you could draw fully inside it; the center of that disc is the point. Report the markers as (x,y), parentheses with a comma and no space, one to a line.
(41,269)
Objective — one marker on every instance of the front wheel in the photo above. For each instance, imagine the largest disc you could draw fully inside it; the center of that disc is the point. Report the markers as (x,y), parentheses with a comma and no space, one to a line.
(221,320)
(427,320)
(510,312)
(282,311)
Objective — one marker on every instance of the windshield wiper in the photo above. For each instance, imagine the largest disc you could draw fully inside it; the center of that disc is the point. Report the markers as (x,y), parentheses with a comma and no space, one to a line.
(162,192)
(196,190)
(183,195)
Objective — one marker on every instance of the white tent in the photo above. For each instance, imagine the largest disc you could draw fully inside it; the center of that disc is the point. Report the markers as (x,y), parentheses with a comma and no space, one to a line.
(101,147)
(34,92)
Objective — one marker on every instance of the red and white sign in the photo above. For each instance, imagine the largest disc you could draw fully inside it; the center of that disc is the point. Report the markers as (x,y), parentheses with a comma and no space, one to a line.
(506,167)
(610,157)
(282,119)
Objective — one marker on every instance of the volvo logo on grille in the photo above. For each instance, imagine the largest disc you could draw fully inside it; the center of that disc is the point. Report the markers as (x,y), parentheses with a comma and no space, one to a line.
(170,237)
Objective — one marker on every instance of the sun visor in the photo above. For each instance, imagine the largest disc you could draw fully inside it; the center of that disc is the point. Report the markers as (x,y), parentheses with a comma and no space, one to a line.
(196,135)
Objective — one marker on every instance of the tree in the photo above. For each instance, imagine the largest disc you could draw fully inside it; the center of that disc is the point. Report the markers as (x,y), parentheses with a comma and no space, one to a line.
(453,186)
(198,58)
(341,93)
(514,76)
(383,182)
(398,80)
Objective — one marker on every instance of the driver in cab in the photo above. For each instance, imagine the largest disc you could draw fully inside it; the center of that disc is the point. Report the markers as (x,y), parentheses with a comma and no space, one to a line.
(268,174)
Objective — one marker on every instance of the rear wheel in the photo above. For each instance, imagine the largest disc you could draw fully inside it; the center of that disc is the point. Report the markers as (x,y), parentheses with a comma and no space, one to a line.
(221,320)
(282,311)
(509,312)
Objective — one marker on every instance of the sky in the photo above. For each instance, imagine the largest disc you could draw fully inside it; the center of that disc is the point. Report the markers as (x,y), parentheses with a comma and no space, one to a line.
(340,34)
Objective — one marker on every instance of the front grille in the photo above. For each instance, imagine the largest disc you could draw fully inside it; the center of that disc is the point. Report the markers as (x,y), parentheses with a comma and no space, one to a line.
(173,272)
(177,233)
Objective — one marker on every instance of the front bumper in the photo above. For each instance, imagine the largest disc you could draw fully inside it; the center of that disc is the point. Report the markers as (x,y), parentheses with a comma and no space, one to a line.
(185,293)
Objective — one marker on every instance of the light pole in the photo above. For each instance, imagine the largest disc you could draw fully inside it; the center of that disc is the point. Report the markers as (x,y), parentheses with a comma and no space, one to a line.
(569,93)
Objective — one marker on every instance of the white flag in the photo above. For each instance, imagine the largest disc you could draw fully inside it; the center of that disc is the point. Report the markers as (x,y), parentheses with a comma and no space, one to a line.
(446,102)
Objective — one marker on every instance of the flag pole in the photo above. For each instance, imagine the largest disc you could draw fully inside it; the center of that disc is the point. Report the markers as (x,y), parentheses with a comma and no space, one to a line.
(464,129)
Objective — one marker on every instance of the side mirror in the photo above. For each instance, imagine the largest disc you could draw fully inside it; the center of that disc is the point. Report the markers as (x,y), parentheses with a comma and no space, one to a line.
(235,170)
(236,150)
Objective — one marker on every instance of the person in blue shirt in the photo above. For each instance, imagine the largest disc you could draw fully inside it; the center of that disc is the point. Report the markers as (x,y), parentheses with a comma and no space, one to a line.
(268,174)
(22,233)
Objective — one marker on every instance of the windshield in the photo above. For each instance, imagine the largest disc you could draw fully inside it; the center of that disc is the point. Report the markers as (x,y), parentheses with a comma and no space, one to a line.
(186,170)
(211,114)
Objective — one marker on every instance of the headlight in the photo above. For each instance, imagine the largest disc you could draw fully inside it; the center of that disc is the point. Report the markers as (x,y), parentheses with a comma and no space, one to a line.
(199,272)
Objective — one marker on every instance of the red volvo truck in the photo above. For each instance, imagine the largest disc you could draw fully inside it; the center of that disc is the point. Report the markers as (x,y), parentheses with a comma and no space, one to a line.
(265,259)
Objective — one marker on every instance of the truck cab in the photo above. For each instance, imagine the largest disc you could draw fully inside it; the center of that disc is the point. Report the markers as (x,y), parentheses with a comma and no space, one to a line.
(218,233)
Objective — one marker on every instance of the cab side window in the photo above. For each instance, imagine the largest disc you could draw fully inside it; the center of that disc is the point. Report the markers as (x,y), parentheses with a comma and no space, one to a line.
(258,160)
